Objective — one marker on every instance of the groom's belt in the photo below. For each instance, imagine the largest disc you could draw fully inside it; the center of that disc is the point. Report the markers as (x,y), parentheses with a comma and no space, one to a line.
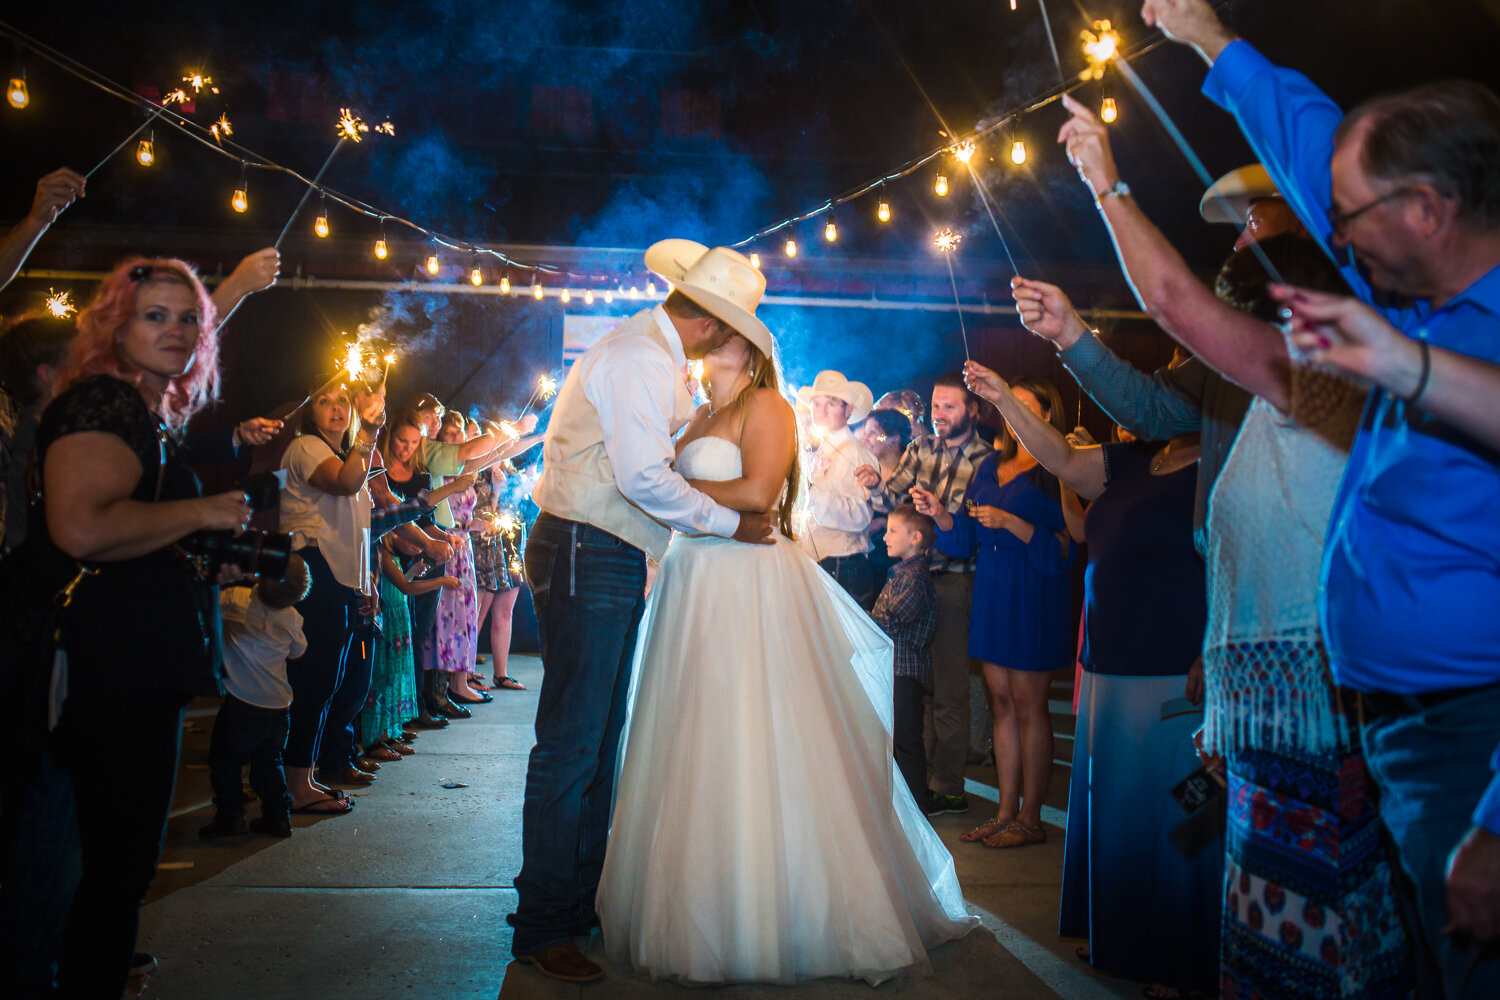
(580,530)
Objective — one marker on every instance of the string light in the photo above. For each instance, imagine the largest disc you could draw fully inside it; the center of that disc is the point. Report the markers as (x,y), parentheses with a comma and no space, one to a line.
(505,284)
(791,247)
(588,296)
(755,261)
(883,211)
(16,92)
(380,249)
(476,276)
(1018,152)
(321,225)
(635,292)
(566,296)
(650,289)
(831,231)
(433,264)
(536,290)
(609,296)
(1108,112)
(241,200)
(145,153)
(940,186)
(964,152)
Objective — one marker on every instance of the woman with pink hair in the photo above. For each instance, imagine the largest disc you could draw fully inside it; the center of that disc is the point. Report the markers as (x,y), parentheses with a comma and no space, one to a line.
(137,614)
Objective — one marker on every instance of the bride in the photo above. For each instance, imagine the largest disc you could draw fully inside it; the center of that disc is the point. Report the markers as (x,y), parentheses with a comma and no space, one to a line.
(760,833)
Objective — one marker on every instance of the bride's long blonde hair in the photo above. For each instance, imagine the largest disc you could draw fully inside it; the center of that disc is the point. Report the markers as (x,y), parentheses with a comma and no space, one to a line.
(765,373)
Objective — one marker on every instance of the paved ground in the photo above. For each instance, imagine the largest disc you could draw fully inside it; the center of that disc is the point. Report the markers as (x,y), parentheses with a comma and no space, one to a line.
(407,895)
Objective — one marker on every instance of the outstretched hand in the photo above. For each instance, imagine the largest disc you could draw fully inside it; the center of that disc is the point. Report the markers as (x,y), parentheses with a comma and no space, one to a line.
(1191,22)
(54,193)
(1046,312)
(1086,141)
(983,381)
(1345,333)
(258,271)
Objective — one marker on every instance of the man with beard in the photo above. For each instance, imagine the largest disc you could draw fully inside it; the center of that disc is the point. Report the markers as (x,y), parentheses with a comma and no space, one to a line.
(943,463)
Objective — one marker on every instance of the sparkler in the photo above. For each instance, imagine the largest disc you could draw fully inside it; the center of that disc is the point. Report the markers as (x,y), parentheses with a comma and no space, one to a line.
(546,388)
(946,242)
(1099,46)
(349,128)
(198,81)
(964,152)
(220,129)
(176,95)
(59,304)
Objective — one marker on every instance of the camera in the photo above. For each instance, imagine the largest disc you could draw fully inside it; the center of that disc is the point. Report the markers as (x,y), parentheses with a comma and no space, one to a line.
(264,553)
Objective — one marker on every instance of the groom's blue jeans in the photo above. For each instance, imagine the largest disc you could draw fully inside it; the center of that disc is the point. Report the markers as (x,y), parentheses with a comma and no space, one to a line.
(588,587)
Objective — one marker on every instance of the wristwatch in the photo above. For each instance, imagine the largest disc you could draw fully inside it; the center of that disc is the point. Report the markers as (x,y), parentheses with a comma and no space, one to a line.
(1119,189)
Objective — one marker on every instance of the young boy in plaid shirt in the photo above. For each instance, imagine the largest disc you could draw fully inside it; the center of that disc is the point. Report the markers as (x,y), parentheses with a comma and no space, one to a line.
(907,610)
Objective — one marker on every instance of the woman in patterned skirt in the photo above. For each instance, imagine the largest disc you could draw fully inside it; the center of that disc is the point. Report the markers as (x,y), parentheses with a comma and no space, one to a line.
(454,639)
(497,569)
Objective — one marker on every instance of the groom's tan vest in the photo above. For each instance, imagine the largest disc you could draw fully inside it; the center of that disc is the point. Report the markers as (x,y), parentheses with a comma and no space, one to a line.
(577,481)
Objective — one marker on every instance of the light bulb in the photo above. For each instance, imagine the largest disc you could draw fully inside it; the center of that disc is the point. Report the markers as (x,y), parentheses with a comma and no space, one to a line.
(941,186)
(17,93)
(505,284)
(588,296)
(476,276)
(321,227)
(650,289)
(635,292)
(432,264)
(380,251)
(536,290)
(831,231)
(241,200)
(791,247)
(1107,111)
(1018,152)
(145,153)
(608,295)
(755,261)
(566,296)
(883,211)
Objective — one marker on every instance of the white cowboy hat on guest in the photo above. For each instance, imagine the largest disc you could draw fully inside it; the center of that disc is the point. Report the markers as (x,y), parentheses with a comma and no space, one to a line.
(832,383)
(1231,195)
(721,280)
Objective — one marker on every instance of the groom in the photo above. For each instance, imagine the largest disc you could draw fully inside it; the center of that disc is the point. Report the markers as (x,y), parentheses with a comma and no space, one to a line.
(609,498)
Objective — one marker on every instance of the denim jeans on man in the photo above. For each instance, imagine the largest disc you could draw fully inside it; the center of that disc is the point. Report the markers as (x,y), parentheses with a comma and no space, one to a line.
(854,574)
(245,733)
(588,587)
(1432,764)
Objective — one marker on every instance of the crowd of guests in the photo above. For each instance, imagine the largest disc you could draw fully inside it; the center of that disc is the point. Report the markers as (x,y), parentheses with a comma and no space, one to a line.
(1289,588)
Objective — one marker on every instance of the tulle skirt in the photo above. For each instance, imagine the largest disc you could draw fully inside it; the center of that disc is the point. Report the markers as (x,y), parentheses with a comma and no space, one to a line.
(761,832)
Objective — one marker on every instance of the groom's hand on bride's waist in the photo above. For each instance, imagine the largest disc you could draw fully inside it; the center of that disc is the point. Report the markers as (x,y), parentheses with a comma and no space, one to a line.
(755,529)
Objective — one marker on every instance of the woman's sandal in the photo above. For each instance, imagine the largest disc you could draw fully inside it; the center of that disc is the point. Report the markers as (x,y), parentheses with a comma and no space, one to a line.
(508,684)
(1016,834)
(984,830)
(346,806)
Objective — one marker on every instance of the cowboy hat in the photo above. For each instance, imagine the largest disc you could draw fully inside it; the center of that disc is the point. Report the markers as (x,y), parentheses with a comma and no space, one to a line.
(832,383)
(1231,195)
(721,280)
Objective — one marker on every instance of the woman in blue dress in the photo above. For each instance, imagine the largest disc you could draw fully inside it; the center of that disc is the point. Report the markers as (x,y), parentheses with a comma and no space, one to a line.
(1020,627)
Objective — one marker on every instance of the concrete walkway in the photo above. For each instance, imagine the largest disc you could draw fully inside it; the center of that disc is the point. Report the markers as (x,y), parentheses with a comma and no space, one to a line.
(407,895)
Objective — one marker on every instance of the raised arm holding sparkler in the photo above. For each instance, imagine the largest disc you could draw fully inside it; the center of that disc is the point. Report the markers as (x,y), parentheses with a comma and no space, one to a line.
(54,193)
(255,273)
(1249,351)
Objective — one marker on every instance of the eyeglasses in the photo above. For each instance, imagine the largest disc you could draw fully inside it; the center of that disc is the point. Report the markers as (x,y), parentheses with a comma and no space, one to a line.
(1340,220)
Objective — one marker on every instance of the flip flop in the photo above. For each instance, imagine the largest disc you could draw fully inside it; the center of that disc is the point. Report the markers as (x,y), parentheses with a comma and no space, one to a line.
(508,684)
(1016,835)
(312,810)
(984,830)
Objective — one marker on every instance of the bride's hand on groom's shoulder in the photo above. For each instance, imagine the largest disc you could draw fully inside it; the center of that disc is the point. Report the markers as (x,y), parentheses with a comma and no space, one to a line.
(754,529)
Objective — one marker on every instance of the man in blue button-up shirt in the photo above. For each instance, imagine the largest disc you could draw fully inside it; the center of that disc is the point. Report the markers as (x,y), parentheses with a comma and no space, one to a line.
(1405,195)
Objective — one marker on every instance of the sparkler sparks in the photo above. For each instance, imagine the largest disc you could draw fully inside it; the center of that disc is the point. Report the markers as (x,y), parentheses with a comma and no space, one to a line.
(178,96)
(353,362)
(964,152)
(386,127)
(350,126)
(59,304)
(198,81)
(221,129)
(947,241)
(546,386)
(1099,46)
(508,524)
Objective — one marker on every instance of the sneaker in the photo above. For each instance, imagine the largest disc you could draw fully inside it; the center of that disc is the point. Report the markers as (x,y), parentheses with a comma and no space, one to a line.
(933,806)
(951,803)
(223,826)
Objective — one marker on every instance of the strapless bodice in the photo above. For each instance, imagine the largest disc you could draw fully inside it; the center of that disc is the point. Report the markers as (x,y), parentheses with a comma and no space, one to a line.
(711,459)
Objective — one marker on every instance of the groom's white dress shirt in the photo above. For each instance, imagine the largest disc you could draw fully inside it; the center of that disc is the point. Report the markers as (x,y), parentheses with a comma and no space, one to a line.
(628,393)
(838,507)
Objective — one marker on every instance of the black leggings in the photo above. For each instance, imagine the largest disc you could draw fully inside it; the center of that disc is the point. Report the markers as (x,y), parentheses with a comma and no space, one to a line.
(316,674)
(122,804)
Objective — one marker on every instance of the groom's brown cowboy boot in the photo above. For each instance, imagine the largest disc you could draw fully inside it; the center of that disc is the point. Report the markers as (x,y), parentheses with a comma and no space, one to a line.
(565,962)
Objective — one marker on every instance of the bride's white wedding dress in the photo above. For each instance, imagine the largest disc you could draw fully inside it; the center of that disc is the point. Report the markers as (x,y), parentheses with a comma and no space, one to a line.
(761,832)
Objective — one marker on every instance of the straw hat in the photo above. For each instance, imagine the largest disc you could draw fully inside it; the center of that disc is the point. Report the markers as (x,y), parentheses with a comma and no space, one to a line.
(832,383)
(1231,195)
(721,280)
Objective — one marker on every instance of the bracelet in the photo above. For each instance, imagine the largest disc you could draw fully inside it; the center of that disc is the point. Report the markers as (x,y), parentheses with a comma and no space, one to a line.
(362,447)
(1426,374)
(1119,189)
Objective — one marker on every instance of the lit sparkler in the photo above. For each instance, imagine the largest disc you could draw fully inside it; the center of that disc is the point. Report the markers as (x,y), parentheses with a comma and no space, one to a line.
(946,242)
(59,304)
(546,386)
(1099,46)
(508,524)
(221,129)
(386,127)
(964,152)
(198,81)
(350,126)
(178,96)
(353,362)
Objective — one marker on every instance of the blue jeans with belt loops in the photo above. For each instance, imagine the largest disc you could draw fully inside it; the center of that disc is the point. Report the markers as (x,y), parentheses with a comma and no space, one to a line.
(588,587)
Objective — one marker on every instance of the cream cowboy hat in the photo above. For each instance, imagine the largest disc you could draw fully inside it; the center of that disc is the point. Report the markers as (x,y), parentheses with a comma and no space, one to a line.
(832,383)
(721,280)
(1231,195)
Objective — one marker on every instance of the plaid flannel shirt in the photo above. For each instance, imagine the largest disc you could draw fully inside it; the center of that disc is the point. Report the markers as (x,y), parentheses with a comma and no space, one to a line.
(943,472)
(907,611)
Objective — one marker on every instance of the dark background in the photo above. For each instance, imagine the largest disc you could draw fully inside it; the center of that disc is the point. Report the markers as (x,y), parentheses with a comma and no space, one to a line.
(547,126)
